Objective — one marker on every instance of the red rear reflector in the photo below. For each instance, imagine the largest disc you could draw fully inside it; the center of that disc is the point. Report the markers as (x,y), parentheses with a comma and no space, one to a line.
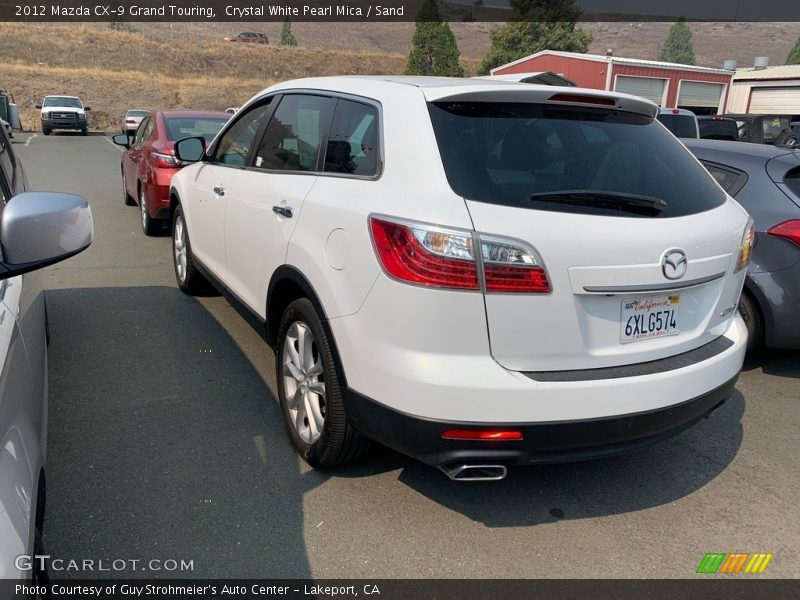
(583,99)
(482,435)
(675,111)
(789,230)
(501,278)
(130,121)
(405,258)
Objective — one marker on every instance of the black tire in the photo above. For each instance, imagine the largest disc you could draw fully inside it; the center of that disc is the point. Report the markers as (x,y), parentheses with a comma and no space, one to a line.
(339,442)
(84,131)
(45,131)
(129,201)
(193,282)
(752,318)
(150,226)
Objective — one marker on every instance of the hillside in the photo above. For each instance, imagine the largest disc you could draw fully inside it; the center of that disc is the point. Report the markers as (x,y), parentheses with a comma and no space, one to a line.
(189,65)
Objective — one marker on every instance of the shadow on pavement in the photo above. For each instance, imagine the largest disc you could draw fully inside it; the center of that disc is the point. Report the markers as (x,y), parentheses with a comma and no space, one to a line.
(164,441)
(782,363)
(533,495)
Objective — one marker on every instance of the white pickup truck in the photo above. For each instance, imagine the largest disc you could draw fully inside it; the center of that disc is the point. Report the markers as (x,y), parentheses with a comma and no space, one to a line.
(64,112)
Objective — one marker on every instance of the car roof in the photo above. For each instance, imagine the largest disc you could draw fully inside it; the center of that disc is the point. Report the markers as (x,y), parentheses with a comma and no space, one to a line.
(436,89)
(740,150)
(61,96)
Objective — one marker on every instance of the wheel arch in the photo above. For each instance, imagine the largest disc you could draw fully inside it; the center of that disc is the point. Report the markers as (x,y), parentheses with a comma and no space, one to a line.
(287,285)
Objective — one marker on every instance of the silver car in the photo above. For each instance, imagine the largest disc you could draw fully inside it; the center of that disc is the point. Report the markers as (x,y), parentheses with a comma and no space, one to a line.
(37,229)
(132,119)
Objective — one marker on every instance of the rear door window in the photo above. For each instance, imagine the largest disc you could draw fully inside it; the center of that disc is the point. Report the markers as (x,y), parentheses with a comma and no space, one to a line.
(682,126)
(352,146)
(507,153)
(732,180)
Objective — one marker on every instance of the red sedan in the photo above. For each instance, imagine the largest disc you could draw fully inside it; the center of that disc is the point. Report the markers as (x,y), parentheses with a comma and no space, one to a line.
(149,162)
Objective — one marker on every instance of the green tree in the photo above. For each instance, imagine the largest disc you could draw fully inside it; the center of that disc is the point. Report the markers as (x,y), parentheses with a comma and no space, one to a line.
(678,47)
(287,37)
(533,26)
(434,50)
(794,55)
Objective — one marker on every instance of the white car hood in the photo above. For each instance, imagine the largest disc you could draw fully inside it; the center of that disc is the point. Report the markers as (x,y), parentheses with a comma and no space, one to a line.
(63,109)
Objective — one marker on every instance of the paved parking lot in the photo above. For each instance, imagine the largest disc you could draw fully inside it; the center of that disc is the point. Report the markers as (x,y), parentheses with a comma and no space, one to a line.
(166,442)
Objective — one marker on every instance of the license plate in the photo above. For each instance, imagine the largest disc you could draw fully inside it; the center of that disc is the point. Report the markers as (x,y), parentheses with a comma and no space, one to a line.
(648,318)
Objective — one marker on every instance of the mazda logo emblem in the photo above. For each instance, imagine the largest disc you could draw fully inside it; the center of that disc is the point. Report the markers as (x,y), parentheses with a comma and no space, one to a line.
(674,264)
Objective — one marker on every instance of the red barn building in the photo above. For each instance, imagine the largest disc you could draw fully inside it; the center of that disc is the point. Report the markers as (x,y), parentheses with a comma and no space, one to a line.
(669,85)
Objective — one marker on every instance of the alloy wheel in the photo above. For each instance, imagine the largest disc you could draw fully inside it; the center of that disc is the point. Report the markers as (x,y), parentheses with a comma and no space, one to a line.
(304,382)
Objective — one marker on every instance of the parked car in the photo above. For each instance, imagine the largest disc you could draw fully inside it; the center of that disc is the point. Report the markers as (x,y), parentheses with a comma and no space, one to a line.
(64,112)
(251,37)
(766,181)
(149,162)
(132,119)
(542,77)
(473,273)
(764,129)
(681,122)
(37,229)
(718,128)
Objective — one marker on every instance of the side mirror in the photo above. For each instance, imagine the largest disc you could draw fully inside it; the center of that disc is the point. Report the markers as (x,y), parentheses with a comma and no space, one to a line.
(38,106)
(190,149)
(38,229)
(87,108)
(122,139)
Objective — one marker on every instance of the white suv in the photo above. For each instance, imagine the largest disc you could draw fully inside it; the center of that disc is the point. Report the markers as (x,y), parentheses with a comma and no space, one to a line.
(475,273)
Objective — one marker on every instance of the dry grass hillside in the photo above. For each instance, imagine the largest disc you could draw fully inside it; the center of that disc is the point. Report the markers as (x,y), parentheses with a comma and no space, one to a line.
(189,65)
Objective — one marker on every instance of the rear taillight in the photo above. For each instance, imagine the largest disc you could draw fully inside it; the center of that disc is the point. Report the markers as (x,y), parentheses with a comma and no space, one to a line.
(746,248)
(426,256)
(789,230)
(164,161)
(441,257)
(131,121)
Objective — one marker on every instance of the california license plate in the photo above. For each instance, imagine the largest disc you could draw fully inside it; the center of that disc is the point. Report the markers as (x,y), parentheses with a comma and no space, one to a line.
(647,318)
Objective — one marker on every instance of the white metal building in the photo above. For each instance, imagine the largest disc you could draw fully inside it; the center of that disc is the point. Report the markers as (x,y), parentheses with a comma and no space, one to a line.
(771,91)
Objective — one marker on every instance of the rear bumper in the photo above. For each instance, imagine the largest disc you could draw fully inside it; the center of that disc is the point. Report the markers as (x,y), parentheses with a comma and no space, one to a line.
(778,296)
(543,442)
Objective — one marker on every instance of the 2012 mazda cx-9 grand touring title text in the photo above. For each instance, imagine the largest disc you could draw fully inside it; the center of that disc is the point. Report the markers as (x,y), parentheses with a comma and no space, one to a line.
(475,273)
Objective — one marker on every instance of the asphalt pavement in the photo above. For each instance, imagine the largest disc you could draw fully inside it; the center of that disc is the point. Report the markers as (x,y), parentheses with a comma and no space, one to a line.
(166,442)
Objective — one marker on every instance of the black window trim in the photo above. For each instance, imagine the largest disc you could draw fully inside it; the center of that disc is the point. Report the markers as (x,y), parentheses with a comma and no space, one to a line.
(740,182)
(9,187)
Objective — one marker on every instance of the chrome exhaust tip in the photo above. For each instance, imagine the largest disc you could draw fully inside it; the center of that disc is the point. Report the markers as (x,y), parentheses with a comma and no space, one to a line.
(474,472)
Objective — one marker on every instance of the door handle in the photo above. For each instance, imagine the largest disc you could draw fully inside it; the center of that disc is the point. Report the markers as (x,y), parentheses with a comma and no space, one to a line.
(284,211)
(219,190)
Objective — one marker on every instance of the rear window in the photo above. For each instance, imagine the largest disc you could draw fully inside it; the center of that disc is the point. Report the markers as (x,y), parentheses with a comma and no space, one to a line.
(682,126)
(506,153)
(792,181)
(772,128)
(137,113)
(719,129)
(184,127)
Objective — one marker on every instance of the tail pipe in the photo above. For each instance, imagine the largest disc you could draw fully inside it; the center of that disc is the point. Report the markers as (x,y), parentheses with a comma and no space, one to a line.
(474,472)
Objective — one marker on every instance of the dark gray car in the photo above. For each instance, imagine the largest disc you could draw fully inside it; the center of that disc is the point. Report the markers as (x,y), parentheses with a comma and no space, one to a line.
(37,229)
(766,181)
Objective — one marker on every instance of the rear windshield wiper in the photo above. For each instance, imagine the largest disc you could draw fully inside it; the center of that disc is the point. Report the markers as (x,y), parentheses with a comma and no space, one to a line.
(620,201)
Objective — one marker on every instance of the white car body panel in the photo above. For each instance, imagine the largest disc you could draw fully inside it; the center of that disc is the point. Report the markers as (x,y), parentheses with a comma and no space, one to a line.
(456,355)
